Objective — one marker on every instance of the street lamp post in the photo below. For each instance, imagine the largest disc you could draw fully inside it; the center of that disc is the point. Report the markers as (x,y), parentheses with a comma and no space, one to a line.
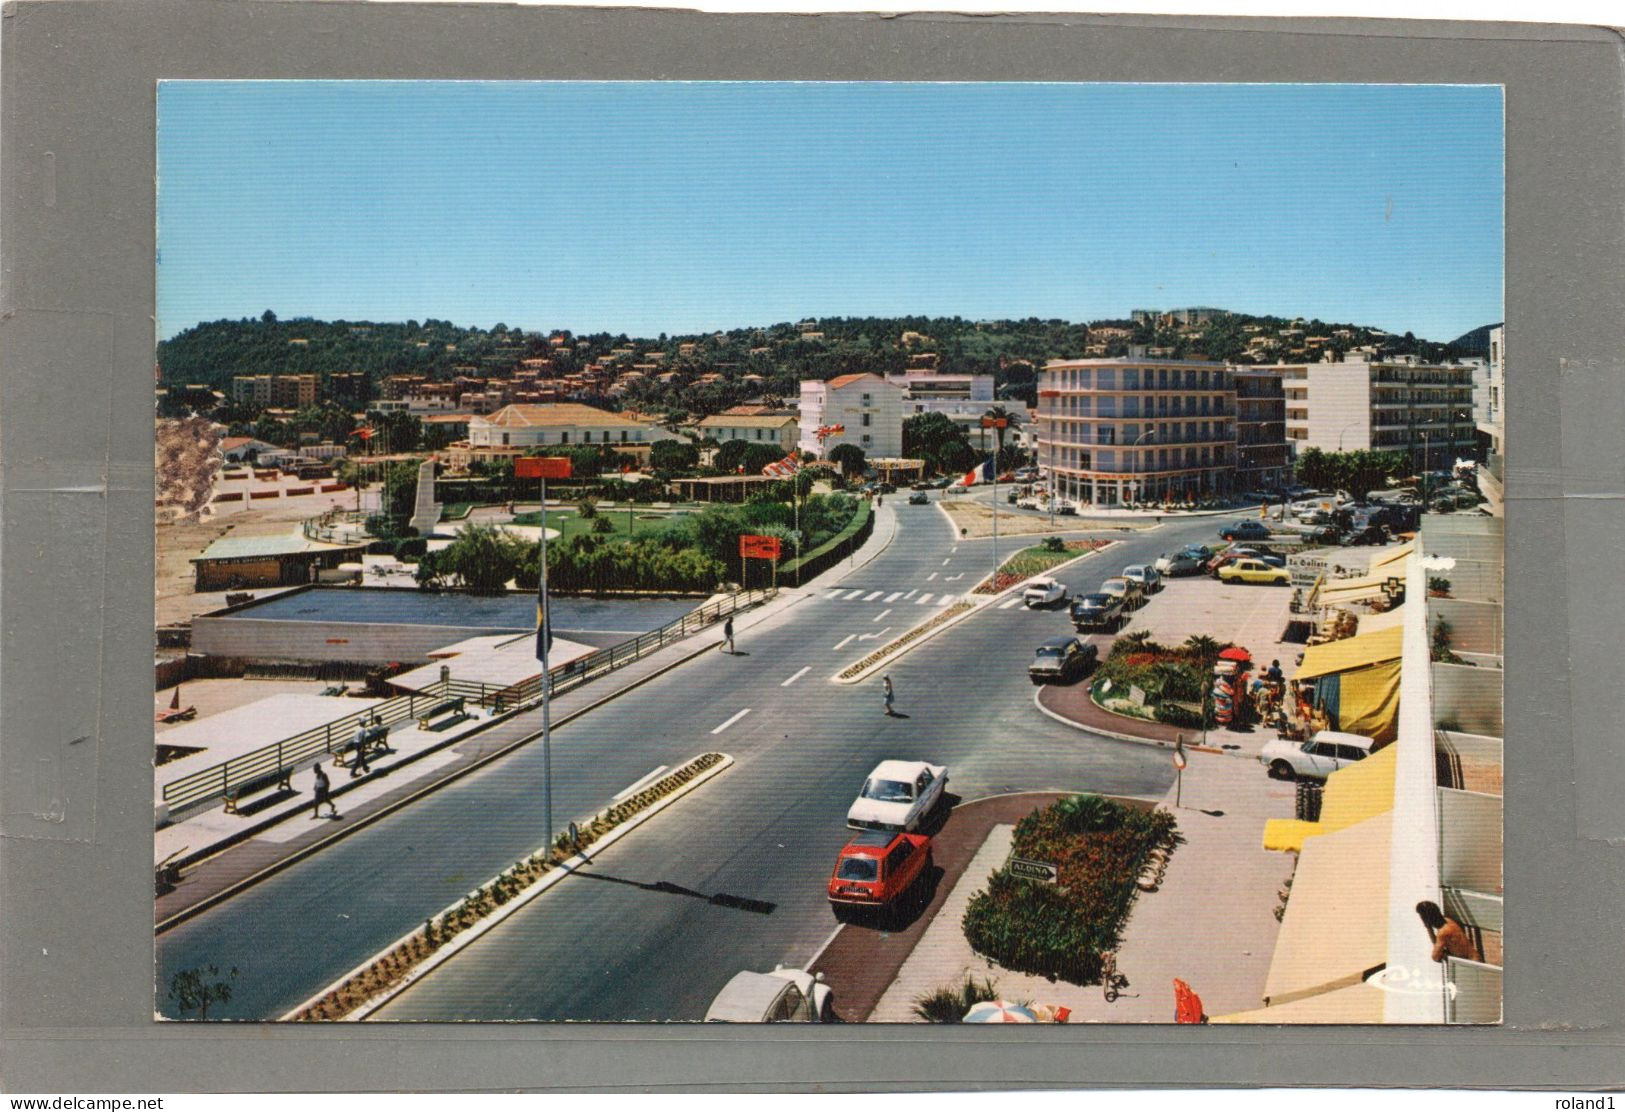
(994,423)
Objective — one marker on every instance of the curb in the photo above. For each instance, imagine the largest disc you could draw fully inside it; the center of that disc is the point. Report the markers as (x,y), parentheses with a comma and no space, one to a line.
(364,821)
(978,605)
(1113,734)
(474,933)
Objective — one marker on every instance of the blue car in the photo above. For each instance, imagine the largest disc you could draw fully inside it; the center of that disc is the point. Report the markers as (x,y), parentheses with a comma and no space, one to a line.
(1245,531)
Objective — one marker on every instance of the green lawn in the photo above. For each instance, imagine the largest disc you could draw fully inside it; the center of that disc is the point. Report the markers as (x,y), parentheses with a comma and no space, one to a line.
(570,524)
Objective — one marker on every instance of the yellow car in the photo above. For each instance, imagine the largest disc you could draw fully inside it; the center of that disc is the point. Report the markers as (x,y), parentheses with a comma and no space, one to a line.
(1253,571)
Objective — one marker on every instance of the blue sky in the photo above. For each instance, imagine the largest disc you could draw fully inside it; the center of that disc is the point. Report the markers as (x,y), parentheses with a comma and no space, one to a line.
(682,207)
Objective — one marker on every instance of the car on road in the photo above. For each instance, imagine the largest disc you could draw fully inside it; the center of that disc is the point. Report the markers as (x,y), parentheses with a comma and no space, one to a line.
(918,498)
(1097,611)
(1026,474)
(1253,570)
(1062,660)
(1248,530)
(782,996)
(923,484)
(1315,759)
(1190,560)
(941,483)
(1044,591)
(898,795)
(1131,593)
(1147,576)
(1314,516)
(879,871)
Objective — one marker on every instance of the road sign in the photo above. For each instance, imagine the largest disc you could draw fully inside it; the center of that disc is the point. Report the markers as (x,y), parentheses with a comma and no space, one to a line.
(1034,870)
(541,467)
(756,547)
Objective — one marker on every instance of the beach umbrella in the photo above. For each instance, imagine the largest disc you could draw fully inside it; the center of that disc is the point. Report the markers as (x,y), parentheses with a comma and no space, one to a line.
(1000,1011)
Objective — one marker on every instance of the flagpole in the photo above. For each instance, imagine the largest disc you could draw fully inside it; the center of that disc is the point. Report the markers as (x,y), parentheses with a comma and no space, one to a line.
(547,680)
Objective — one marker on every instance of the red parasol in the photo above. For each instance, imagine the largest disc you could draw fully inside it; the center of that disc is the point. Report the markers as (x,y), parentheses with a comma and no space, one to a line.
(1187,1005)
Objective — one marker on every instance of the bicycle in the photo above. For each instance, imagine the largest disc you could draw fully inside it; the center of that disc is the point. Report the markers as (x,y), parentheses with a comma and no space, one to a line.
(1112,983)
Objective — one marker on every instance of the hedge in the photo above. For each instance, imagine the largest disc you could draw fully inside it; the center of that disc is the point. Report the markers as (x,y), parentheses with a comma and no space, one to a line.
(1099,847)
(835,549)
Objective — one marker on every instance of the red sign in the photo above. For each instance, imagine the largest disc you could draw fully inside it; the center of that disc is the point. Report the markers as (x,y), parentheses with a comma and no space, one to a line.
(995,422)
(541,467)
(1049,393)
(753,547)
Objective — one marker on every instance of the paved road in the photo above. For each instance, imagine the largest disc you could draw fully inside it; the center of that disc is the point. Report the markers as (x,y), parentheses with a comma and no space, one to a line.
(732,877)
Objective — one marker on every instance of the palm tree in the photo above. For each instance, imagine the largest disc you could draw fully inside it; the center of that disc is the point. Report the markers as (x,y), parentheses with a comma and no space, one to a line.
(1201,645)
(999,413)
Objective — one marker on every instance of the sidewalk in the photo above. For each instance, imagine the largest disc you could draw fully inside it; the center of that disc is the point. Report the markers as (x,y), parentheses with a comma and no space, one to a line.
(1211,923)
(273,829)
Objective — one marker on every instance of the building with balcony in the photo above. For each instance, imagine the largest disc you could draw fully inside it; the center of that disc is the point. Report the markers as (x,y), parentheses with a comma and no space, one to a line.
(1263,461)
(1119,430)
(869,408)
(1492,426)
(1422,410)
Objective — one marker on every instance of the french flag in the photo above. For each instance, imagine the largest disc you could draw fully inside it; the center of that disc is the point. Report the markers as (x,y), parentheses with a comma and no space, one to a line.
(984,473)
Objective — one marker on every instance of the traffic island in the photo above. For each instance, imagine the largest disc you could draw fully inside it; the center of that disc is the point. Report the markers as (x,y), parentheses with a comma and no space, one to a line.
(375,982)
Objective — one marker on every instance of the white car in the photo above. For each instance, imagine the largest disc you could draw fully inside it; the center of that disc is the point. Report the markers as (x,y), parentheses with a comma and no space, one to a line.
(782,996)
(1147,576)
(1315,759)
(898,795)
(1044,592)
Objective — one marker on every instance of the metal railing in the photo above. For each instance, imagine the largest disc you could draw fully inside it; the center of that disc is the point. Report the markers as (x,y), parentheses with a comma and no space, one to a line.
(324,528)
(272,761)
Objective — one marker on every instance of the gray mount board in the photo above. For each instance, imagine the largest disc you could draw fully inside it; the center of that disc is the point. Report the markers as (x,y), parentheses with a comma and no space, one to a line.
(77,163)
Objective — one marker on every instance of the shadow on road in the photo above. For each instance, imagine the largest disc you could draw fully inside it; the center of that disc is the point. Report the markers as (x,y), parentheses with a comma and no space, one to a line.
(720,899)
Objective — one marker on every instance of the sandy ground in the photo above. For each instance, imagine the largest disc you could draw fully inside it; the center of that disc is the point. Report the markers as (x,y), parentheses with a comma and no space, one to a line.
(977,517)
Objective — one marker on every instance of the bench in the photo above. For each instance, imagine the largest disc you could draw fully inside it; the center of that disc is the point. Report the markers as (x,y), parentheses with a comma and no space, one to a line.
(375,741)
(453,705)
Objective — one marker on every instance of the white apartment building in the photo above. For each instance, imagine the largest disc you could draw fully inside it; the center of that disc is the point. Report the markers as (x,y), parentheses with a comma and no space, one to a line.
(1492,425)
(868,407)
(782,431)
(1424,410)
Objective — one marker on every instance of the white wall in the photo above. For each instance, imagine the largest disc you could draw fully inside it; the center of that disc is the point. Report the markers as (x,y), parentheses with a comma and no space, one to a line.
(1339,406)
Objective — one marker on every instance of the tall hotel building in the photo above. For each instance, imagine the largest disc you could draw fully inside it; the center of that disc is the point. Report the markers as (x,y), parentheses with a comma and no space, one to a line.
(1120,430)
(1422,410)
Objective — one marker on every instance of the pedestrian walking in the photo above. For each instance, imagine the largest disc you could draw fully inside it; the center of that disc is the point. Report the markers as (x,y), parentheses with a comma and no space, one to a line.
(891,695)
(358,765)
(728,632)
(323,795)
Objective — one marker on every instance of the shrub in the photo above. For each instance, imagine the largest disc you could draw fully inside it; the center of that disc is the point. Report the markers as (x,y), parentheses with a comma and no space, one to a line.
(950,1003)
(1054,544)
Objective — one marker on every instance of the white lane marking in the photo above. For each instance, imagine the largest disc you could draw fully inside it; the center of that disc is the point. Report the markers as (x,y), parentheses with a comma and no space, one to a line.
(873,636)
(818,953)
(910,595)
(932,576)
(1012,602)
(636,787)
(954,551)
(845,641)
(894,596)
(854,594)
(922,600)
(833,595)
(946,562)
(880,615)
(731,721)
(797,676)
(872,595)
(952,578)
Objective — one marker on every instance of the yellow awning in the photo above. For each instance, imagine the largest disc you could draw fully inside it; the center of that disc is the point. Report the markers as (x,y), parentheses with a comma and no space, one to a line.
(1360,651)
(1368,702)
(1359,1003)
(1384,557)
(1371,623)
(1337,592)
(1335,930)
(1353,795)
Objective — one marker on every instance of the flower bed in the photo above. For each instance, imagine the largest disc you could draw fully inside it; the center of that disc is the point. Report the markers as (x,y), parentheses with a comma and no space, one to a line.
(1034,561)
(1172,680)
(1100,847)
(395,966)
(943,615)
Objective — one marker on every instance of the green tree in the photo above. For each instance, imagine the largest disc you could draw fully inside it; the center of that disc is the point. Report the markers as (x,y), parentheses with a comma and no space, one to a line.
(195,989)
(673,455)
(849,458)
(482,558)
(936,439)
(998,413)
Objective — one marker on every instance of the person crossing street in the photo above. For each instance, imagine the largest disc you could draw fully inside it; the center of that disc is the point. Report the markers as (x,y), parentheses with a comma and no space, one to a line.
(891,695)
(728,632)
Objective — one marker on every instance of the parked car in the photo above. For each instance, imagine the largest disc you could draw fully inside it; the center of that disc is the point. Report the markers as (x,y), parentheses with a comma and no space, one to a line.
(898,795)
(877,871)
(1314,515)
(1097,612)
(923,484)
(1245,531)
(1225,559)
(1066,508)
(1189,560)
(1062,660)
(885,488)
(1044,591)
(1026,474)
(782,996)
(1251,570)
(1316,758)
(941,483)
(918,498)
(1130,592)
(1149,579)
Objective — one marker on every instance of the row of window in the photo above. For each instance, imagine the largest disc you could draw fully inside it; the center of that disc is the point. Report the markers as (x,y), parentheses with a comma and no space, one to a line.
(1192,432)
(607,436)
(1149,405)
(1076,459)
(1137,378)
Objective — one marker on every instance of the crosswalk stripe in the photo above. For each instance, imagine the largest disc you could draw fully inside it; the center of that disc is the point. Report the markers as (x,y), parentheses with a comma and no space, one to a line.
(932,576)
(894,596)
(854,594)
(911,594)
(872,595)
(922,600)
(833,595)
(1008,605)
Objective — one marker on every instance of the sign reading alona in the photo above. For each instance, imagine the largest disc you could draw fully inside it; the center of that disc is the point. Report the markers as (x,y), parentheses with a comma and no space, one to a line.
(1034,870)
